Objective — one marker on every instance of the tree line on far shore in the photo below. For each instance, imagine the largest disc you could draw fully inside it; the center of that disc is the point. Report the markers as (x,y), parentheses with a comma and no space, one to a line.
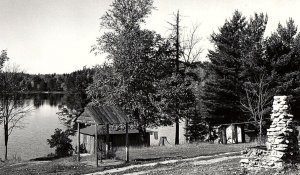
(35,83)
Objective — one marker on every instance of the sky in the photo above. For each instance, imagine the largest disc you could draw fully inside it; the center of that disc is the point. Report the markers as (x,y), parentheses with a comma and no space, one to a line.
(55,36)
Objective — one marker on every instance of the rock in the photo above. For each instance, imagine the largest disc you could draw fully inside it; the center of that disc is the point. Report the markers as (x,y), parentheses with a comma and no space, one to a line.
(244,161)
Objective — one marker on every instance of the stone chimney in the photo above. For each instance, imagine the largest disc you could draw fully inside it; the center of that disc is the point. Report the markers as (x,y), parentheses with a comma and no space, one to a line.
(282,136)
(282,143)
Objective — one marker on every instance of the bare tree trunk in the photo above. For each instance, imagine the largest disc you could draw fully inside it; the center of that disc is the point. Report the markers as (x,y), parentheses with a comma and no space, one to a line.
(5,139)
(141,127)
(176,131)
(260,132)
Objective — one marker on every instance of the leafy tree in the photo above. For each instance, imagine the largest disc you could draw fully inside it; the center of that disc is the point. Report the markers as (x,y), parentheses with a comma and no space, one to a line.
(75,98)
(62,143)
(138,57)
(52,85)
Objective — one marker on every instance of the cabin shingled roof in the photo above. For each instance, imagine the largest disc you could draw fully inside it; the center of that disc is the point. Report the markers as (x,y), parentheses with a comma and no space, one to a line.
(102,115)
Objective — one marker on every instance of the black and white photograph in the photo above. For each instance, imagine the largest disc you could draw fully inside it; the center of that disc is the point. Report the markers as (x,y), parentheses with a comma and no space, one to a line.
(149,87)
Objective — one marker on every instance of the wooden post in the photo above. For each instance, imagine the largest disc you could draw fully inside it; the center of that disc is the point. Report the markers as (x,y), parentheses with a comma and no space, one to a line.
(107,141)
(243,133)
(78,143)
(96,144)
(224,134)
(101,147)
(236,134)
(186,131)
(127,143)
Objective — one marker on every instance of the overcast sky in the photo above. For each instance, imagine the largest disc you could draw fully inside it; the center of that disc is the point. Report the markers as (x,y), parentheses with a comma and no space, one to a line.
(55,36)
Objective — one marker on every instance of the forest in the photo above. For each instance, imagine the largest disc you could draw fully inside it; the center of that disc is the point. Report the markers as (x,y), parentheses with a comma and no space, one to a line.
(37,83)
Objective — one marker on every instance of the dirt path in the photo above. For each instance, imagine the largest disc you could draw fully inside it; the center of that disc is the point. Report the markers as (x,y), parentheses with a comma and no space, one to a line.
(194,161)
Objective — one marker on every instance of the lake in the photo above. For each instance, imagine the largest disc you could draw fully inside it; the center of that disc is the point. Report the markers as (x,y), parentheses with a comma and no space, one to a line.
(31,141)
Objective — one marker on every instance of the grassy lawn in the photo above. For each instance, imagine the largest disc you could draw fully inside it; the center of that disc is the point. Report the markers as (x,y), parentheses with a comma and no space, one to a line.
(180,151)
(137,156)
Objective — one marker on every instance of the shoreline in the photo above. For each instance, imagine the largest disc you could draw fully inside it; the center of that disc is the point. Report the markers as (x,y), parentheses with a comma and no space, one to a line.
(45,92)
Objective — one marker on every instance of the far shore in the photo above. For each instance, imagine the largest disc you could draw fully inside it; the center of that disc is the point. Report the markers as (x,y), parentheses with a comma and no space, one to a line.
(45,92)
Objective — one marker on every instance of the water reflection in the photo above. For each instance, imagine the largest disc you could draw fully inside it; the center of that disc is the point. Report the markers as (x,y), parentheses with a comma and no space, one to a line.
(39,99)
(31,141)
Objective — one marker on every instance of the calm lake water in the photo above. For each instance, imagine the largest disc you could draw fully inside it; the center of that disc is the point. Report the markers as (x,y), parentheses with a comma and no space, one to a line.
(31,141)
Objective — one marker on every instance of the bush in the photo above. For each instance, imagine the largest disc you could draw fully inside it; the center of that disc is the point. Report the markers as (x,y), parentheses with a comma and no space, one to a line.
(62,143)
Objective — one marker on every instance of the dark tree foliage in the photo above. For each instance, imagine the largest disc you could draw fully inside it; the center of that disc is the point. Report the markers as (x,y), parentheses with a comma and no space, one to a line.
(75,98)
(238,58)
(222,93)
(61,142)
(42,82)
(247,70)
(283,56)
(176,94)
(196,126)
(3,58)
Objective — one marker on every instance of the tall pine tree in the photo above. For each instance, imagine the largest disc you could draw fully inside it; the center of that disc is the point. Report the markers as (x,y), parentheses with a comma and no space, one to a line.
(283,55)
(223,90)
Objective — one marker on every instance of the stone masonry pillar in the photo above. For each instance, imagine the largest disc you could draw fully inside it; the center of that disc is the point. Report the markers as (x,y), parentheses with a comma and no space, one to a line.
(282,136)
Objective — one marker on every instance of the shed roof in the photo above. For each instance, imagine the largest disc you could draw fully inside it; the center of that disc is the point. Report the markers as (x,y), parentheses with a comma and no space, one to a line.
(102,115)
(90,130)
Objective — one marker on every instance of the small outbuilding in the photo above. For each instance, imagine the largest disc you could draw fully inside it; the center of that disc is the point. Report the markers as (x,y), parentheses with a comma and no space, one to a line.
(236,133)
(101,117)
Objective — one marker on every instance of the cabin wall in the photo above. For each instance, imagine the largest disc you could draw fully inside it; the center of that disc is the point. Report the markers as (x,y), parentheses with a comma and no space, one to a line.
(169,132)
(119,140)
(229,130)
(89,142)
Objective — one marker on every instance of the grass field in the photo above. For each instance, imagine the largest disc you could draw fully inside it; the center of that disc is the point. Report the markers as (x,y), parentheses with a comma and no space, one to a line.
(141,156)
(181,151)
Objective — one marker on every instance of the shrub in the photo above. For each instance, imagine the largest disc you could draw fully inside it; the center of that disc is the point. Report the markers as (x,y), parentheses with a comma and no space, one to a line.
(62,143)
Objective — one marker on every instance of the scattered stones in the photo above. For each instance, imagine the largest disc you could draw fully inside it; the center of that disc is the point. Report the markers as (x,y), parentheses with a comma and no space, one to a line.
(282,143)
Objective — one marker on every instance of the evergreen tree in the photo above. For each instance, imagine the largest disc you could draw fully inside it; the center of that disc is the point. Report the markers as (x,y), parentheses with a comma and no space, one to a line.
(236,63)
(3,58)
(283,55)
(222,92)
